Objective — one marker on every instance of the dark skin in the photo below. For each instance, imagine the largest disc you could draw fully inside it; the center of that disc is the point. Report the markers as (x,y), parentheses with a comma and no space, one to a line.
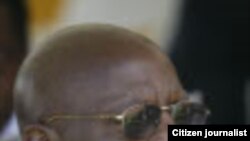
(93,70)
(12,53)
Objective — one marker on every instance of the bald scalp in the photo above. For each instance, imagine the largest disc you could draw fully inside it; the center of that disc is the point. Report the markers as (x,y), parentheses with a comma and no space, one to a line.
(91,69)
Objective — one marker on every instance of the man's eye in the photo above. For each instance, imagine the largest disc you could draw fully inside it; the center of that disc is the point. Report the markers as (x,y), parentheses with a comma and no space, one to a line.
(191,113)
(152,114)
(143,122)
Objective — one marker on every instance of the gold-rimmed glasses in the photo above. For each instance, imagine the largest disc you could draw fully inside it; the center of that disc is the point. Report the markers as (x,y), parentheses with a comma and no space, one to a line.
(144,119)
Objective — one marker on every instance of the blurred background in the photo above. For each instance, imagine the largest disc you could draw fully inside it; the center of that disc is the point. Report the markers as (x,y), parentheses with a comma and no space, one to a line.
(206,40)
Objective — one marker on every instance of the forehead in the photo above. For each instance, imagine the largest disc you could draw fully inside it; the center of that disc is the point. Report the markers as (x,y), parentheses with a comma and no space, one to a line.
(131,83)
(108,90)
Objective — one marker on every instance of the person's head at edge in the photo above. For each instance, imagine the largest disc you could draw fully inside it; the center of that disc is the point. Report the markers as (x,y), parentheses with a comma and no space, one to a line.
(93,70)
(12,52)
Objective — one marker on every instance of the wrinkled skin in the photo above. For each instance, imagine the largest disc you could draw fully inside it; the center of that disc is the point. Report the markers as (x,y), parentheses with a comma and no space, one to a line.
(91,70)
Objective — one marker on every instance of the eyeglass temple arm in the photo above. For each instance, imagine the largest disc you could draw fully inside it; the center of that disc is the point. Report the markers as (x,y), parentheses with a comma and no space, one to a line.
(118,118)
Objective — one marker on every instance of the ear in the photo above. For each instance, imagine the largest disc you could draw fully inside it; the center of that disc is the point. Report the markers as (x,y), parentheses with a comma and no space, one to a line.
(39,133)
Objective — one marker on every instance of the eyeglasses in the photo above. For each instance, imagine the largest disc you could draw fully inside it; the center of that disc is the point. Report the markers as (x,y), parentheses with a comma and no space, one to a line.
(142,120)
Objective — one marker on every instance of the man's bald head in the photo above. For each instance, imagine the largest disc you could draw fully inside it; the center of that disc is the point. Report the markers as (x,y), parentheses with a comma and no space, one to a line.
(89,70)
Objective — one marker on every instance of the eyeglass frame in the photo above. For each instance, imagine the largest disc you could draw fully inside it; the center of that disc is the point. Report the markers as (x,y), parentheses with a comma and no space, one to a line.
(113,117)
